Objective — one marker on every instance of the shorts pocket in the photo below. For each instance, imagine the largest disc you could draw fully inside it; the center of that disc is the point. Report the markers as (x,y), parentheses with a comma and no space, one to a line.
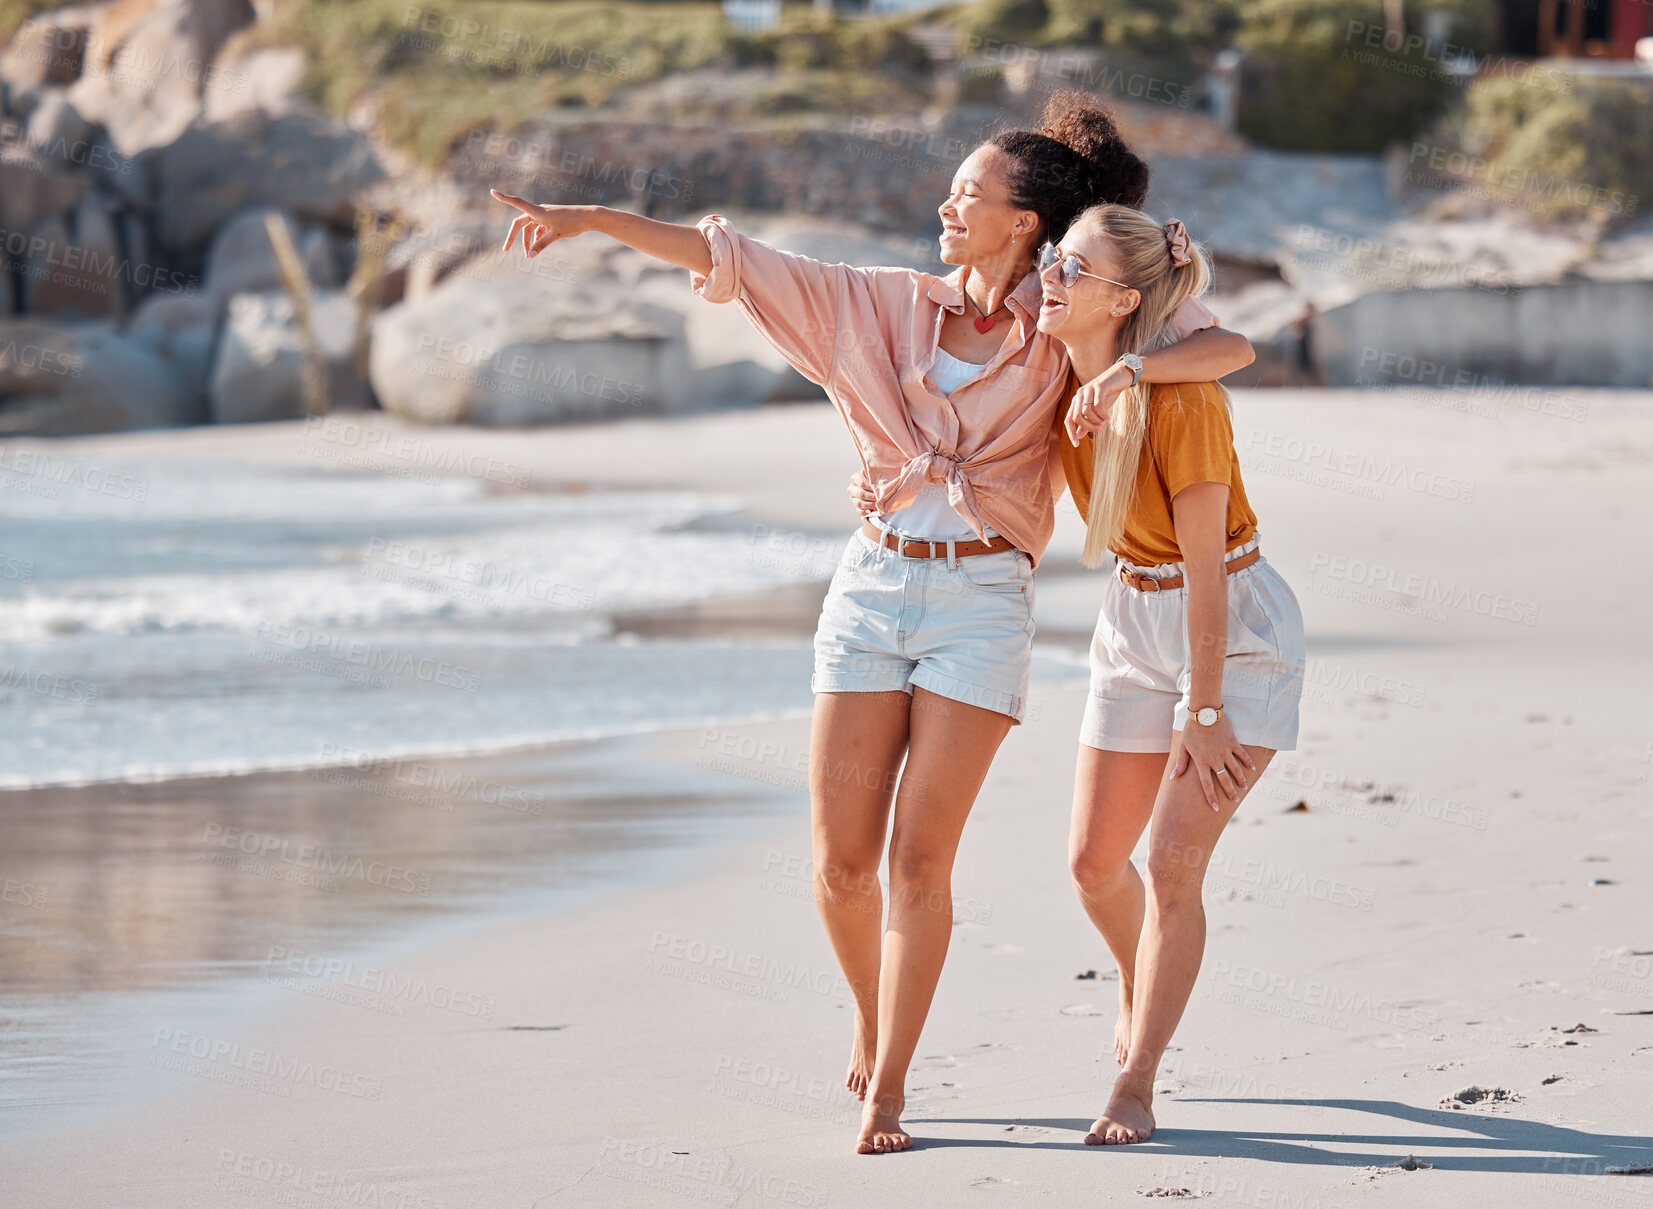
(1250,628)
(998,573)
(1120,652)
(1264,650)
(860,551)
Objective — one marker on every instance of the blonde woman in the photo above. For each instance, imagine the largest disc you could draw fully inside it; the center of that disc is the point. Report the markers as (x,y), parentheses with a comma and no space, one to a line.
(1197,658)
(949,391)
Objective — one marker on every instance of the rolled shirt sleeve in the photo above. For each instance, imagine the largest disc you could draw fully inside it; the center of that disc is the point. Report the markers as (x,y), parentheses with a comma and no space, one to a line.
(794,302)
(1190,316)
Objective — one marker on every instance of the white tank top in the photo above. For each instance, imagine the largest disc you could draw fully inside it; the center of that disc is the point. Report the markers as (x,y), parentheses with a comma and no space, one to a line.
(930,517)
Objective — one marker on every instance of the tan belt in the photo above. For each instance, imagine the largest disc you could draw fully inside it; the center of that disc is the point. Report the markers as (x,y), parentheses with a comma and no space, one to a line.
(918,549)
(1147,583)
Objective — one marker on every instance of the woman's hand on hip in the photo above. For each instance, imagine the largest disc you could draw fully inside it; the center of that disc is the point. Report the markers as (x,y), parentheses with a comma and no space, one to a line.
(541,226)
(1219,759)
(1091,407)
(861,494)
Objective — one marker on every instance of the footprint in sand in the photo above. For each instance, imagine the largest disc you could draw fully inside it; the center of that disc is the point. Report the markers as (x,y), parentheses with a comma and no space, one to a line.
(935,1062)
(1026,1135)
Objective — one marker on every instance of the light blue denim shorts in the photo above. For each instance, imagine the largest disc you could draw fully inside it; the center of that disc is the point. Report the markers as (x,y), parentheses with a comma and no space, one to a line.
(961,628)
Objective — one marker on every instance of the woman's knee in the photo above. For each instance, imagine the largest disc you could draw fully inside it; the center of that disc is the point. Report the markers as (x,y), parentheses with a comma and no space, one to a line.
(918,866)
(1176,875)
(847,873)
(1096,870)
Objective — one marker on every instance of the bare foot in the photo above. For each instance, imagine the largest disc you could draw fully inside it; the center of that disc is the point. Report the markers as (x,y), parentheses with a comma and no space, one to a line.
(1128,1117)
(881,1131)
(861,1054)
(1122,1030)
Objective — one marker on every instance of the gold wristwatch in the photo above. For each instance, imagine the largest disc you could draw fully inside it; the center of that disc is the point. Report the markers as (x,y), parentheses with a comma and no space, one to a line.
(1206,716)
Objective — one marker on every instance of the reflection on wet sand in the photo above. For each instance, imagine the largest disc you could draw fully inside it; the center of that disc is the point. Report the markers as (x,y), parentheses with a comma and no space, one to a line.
(118,895)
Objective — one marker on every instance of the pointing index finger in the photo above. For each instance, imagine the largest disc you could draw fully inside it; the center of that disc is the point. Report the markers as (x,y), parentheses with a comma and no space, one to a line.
(528,208)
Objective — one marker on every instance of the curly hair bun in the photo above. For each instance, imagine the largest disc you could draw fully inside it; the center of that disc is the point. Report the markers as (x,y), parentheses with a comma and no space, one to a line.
(1111,170)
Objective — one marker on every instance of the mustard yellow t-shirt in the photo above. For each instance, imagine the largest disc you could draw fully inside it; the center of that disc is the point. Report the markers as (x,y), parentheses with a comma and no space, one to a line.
(1190,440)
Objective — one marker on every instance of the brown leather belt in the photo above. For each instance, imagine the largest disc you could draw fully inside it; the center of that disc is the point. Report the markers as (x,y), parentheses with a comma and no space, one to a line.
(1147,583)
(918,549)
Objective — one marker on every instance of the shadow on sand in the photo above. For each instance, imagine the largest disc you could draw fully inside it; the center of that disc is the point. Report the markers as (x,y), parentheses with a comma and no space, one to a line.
(1533,1147)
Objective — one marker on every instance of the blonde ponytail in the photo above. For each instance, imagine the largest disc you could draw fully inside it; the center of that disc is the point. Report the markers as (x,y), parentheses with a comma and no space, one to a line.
(1166,268)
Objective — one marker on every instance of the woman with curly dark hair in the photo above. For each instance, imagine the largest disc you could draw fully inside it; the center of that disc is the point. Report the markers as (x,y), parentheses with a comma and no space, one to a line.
(925,639)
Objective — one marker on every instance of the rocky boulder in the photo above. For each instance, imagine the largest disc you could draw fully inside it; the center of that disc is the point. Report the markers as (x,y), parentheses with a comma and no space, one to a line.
(182,329)
(258,373)
(494,346)
(56,128)
(47,49)
(32,188)
(82,273)
(240,259)
(265,78)
(148,64)
(310,166)
(62,379)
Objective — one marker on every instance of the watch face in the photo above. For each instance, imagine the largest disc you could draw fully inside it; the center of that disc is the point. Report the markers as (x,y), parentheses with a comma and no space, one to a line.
(1207,716)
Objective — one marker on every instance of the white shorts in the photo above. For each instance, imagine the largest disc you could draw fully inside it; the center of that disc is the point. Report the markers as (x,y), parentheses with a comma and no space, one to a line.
(963,631)
(1139,661)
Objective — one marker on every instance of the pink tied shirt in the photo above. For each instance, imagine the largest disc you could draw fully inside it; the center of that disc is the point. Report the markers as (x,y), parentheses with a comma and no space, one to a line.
(869,337)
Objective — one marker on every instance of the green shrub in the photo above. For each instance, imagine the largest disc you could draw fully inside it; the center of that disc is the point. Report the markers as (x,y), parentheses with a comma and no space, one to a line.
(14,12)
(523,58)
(1178,31)
(1319,75)
(1586,152)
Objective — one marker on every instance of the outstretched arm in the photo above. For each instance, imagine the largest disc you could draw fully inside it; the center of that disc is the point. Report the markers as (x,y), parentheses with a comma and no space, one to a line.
(793,301)
(541,226)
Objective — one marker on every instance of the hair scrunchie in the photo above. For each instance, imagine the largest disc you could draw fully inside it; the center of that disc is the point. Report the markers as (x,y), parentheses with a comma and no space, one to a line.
(1176,240)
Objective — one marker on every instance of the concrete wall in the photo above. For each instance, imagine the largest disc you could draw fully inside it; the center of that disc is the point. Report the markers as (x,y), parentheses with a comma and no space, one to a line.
(1584,333)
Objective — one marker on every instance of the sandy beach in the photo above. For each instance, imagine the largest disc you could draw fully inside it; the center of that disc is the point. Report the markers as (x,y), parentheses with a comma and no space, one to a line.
(627,1000)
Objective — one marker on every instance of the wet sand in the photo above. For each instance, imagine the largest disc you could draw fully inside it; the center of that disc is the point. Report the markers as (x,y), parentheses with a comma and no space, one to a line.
(129,904)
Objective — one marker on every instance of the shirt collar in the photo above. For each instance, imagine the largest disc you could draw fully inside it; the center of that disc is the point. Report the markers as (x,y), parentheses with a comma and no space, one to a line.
(948,292)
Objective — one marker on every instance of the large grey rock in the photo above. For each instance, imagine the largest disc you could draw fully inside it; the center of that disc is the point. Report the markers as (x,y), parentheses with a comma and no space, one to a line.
(183,330)
(80,273)
(308,165)
(47,49)
(484,348)
(418,261)
(265,78)
(148,63)
(258,373)
(33,188)
(62,379)
(57,130)
(241,259)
